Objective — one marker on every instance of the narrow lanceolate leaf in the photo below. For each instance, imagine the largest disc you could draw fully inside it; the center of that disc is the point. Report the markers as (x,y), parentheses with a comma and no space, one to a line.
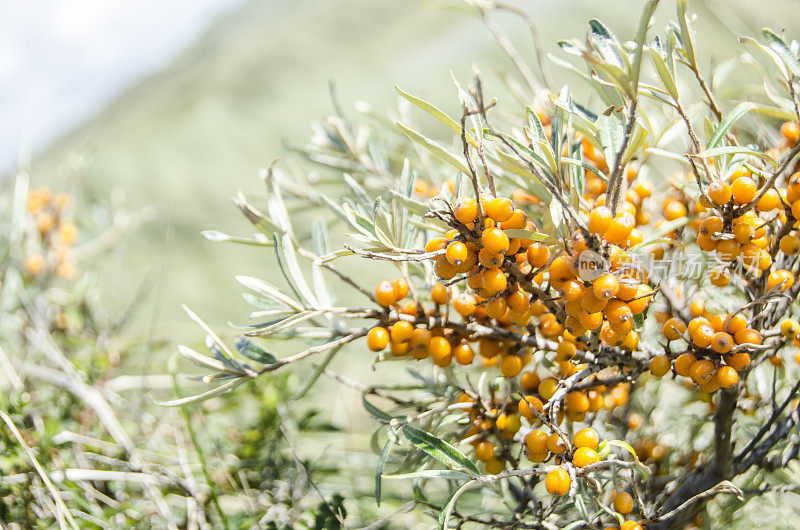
(535,123)
(265,289)
(284,323)
(606,43)
(686,32)
(287,259)
(637,139)
(219,237)
(783,51)
(203,360)
(447,509)
(522,233)
(435,149)
(253,350)
(413,205)
(375,411)
(727,122)
(221,345)
(218,391)
(663,73)
(446,474)
(611,135)
(379,471)
(440,450)
(259,220)
(437,113)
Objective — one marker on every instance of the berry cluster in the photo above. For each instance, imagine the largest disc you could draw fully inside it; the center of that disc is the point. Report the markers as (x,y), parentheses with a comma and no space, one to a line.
(49,251)
(750,226)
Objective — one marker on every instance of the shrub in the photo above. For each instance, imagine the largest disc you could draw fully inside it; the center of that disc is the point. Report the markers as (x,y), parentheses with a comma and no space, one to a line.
(596,294)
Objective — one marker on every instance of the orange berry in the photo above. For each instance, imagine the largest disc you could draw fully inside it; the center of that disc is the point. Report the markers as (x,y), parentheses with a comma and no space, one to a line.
(456,253)
(630,525)
(401,331)
(673,329)
(557,482)
(790,244)
(721,342)
(494,240)
(727,377)
(744,190)
(701,370)
(516,221)
(495,466)
(780,277)
(623,503)
(769,201)
(496,308)
(560,270)
(440,294)
(712,225)
(599,220)
(499,208)
(444,269)
(494,281)
(747,336)
(735,323)
(529,381)
(673,209)
(791,131)
(399,348)
(702,336)
(465,210)
(536,440)
(576,402)
(35,264)
(528,405)
(420,340)
(488,348)
(719,276)
(684,363)
(617,312)
(591,321)
(738,361)
(484,451)
(586,437)
(538,255)
(719,192)
(727,249)
(743,232)
(547,388)
(464,354)
(511,365)
(464,304)
(440,350)
(435,244)
(555,444)
(490,260)
(605,286)
(631,340)
(659,365)
(585,456)
(377,338)
(620,228)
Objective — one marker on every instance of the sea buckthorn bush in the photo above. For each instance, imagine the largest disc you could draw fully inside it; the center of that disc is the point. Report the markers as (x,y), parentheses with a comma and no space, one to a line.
(595,296)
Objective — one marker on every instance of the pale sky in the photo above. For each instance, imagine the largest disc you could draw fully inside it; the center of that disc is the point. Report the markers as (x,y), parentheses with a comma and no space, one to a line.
(61,60)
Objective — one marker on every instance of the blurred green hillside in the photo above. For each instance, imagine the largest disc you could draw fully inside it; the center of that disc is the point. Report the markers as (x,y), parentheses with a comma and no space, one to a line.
(186,139)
